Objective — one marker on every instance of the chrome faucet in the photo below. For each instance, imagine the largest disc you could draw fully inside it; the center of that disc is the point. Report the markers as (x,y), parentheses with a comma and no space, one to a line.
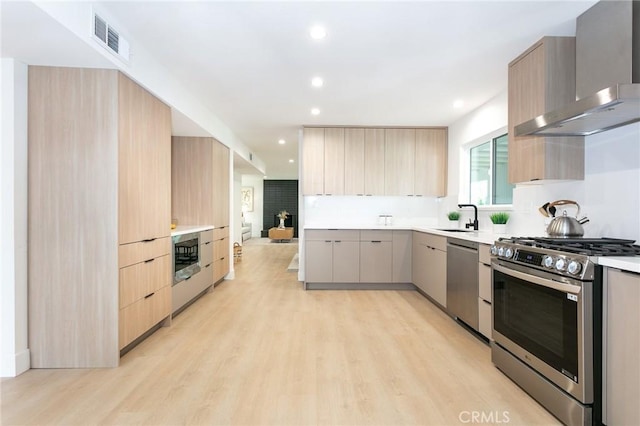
(473,224)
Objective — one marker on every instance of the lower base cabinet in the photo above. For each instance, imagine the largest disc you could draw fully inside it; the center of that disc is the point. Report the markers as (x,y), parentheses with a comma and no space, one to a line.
(376,253)
(622,346)
(142,315)
(485,321)
(429,265)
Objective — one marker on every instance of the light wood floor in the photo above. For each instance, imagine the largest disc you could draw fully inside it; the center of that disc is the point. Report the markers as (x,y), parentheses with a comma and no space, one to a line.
(260,350)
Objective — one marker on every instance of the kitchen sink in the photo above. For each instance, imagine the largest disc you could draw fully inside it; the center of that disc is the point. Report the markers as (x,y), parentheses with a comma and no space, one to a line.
(455,230)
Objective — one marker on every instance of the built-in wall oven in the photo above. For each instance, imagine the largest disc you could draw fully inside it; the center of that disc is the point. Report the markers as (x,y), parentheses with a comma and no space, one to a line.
(186,256)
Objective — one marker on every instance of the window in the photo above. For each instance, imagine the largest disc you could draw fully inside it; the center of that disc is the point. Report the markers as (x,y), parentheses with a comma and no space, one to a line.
(488,180)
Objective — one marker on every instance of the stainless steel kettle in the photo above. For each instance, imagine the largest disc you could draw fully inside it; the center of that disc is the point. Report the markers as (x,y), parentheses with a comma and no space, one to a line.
(566,226)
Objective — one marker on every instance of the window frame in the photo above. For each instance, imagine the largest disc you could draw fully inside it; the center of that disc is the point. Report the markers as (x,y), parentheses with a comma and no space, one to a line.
(465,169)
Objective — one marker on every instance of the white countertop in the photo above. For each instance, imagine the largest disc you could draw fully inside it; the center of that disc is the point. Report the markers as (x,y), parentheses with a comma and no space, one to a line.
(631,264)
(186,229)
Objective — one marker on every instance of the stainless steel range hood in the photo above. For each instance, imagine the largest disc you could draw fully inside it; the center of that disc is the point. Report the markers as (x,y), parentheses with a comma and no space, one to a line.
(607,75)
(612,107)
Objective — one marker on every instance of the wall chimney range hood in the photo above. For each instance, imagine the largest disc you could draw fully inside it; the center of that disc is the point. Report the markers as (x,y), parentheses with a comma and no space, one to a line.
(607,75)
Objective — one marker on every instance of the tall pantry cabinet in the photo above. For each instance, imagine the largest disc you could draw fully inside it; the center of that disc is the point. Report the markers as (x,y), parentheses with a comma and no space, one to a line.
(99,215)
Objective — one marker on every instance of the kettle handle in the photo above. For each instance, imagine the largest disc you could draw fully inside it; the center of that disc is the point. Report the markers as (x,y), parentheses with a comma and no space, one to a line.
(565,203)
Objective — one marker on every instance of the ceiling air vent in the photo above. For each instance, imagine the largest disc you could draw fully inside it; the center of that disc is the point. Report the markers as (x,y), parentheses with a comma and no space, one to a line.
(109,38)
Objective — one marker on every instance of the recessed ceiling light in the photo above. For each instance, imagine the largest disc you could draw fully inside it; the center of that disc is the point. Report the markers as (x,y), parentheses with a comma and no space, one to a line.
(317,82)
(291,160)
(317,32)
(282,141)
(315,111)
(458,104)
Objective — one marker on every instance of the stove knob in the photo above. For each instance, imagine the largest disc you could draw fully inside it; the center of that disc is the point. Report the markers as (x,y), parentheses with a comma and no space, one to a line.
(547,261)
(494,250)
(574,267)
(508,253)
(561,264)
(500,251)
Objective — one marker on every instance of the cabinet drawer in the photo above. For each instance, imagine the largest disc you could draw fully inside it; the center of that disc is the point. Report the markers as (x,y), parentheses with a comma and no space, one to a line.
(142,279)
(332,234)
(484,254)
(484,282)
(220,249)
(129,254)
(375,235)
(206,253)
(220,233)
(139,317)
(206,236)
(484,318)
(431,240)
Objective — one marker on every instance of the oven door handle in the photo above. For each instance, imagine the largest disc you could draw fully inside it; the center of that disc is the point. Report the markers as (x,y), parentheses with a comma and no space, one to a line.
(567,288)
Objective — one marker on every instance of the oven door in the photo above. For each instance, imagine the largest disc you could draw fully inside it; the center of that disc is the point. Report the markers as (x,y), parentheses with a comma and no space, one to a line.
(546,321)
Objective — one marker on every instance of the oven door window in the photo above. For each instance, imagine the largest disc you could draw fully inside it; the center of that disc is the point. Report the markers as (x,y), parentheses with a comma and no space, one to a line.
(541,320)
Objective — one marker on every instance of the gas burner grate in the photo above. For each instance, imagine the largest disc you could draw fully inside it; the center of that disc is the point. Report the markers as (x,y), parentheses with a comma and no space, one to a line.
(586,246)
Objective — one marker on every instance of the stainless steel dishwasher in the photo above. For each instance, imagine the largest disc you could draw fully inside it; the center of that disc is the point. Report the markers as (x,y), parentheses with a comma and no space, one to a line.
(462,280)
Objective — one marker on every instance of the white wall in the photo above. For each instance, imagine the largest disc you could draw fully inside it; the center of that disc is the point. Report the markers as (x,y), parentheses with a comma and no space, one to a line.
(255,217)
(609,194)
(14,350)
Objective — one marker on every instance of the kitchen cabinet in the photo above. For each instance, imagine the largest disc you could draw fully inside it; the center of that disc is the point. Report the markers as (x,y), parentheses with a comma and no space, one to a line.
(354,146)
(401,269)
(313,161)
(485,321)
(621,347)
(429,265)
(99,208)
(430,169)
(200,181)
(374,162)
(376,255)
(332,256)
(542,79)
(399,157)
(334,161)
(221,253)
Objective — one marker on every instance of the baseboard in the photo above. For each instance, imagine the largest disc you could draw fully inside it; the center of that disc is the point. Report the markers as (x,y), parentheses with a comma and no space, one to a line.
(15,364)
(359,286)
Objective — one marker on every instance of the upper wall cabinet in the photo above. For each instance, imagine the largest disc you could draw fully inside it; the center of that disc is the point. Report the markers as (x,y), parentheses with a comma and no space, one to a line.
(200,181)
(540,80)
(372,161)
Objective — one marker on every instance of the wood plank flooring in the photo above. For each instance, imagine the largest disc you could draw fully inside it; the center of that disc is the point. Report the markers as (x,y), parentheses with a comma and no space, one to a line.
(259,350)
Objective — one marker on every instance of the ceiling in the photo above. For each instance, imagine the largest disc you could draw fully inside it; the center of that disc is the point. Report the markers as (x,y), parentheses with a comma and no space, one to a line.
(383,63)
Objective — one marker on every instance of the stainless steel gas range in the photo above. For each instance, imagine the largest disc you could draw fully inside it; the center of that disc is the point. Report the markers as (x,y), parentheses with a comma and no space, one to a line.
(547,319)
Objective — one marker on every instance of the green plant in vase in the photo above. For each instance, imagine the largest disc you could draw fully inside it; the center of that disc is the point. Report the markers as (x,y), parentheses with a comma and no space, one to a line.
(453,216)
(499,220)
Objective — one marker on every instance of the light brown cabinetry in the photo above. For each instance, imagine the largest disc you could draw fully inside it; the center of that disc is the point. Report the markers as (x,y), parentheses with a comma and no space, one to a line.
(313,161)
(374,162)
(430,265)
(485,323)
(334,161)
(540,80)
(430,171)
(221,250)
(621,346)
(99,173)
(200,181)
(399,161)
(354,148)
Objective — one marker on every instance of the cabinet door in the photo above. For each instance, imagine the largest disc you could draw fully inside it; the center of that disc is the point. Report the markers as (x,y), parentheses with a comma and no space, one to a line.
(319,261)
(220,197)
(313,161)
(374,162)
(430,162)
(622,345)
(376,261)
(436,282)
(334,161)
(419,253)
(354,181)
(144,162)
(401,257)
(399,156)
(346,261)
